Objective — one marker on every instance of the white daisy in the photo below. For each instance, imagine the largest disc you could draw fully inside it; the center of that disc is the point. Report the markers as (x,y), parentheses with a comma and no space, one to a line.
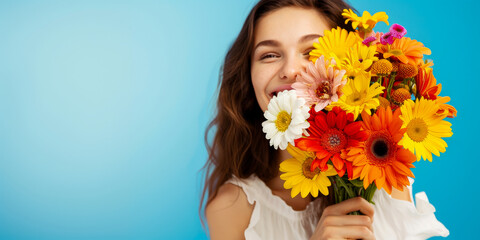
(286,119)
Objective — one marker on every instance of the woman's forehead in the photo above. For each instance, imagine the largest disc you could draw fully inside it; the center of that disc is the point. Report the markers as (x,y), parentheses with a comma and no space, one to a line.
(290,24)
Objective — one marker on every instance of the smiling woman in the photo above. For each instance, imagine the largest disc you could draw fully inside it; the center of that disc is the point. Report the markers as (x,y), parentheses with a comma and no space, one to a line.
(246,195)
(282,48)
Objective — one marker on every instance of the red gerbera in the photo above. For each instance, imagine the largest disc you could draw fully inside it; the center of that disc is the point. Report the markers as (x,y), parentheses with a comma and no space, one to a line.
(329,135)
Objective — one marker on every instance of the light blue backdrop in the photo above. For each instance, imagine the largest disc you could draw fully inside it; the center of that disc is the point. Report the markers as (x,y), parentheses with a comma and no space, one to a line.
(103,105)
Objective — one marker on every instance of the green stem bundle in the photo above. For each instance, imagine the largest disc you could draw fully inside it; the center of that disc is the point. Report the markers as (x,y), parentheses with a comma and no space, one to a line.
(346,189)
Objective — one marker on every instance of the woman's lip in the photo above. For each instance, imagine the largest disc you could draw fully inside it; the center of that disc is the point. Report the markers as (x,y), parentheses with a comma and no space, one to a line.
(280,89)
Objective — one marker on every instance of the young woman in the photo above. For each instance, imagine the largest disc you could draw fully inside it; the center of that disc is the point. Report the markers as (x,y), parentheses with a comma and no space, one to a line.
(246,197)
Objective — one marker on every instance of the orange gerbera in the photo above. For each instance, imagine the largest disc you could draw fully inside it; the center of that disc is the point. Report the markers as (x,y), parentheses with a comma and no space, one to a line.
(406,50)
(428,88)
(427,84)
(380,158)
(329,135)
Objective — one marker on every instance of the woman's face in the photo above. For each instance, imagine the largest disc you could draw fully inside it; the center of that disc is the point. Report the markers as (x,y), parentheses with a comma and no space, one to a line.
(283,39)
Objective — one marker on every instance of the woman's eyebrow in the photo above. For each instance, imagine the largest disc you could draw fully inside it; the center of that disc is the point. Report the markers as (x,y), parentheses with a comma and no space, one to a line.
(271,43)
(274,43)
(309,37)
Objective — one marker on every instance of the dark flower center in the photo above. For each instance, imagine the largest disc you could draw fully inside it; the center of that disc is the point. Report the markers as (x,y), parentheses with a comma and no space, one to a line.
(323,90)
(380,148)
(306,169)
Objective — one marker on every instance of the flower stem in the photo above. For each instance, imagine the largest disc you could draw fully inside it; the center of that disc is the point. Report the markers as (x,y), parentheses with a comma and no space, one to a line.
(341,183)
(390,85)
(345,189)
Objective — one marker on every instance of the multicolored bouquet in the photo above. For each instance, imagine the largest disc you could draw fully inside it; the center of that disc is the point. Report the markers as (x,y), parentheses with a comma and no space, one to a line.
(366,108)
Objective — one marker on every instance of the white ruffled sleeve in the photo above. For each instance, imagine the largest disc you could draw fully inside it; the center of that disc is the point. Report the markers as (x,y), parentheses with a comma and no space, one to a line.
(272,218)
(402,220)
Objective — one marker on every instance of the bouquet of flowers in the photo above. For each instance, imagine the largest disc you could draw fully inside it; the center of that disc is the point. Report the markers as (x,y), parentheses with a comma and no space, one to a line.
(366,108)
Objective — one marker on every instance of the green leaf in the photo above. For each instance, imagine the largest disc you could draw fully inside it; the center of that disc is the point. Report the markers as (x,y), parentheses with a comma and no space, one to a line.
(357,183)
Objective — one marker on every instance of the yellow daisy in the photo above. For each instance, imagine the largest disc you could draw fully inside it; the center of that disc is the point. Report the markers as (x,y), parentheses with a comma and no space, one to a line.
(358,96)
(334,44)
(299,177)
(425,128)
(358,59)
(366,22)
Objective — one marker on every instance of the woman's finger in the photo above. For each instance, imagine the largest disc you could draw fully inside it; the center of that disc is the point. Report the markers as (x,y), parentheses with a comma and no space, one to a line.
(350,232)
(351,205)
(349,220)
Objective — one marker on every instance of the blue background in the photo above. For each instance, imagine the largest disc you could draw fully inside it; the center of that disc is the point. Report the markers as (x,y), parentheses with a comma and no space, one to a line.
(103,106)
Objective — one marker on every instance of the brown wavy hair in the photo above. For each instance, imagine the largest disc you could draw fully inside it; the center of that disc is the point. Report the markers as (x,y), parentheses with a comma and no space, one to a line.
(239,146)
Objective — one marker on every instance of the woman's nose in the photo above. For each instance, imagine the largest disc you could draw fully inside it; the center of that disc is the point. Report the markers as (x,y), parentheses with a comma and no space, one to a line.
(292,67)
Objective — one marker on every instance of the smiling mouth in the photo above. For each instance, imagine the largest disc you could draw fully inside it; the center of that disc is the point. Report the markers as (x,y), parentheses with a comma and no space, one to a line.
(275,93)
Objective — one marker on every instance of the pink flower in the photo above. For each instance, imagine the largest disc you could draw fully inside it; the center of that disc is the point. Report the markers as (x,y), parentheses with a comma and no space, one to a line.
(368,40)
(372,38)
(320,84)
(398,31)
(387,38)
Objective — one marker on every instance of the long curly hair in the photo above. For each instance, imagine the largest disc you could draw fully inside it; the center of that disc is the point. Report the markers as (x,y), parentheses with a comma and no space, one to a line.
(239,147)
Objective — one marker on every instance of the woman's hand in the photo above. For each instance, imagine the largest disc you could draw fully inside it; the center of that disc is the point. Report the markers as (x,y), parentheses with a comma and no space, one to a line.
(336,224)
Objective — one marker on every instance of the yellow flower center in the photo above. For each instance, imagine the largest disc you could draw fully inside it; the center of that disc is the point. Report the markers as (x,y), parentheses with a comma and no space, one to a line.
(306,169)
(283,121)
(355,99)
(396,52)
(417,129)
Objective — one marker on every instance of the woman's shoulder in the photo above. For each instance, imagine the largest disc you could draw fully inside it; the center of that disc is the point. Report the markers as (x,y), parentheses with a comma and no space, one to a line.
(229,212)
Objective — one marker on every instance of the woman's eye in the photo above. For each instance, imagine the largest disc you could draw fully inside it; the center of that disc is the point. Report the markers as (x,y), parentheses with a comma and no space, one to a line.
(268,55)
(307,52)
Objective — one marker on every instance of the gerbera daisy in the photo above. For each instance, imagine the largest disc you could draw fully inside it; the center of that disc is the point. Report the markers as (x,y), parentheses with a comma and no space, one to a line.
(329,135)
(320,84)
(425,128)
(334,44)
(299,177)
(286,119)
(359,96)
(380,158)
(359,58)
(405,50)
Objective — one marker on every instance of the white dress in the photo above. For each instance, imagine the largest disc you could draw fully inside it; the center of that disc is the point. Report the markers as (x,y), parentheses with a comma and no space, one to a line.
(394,219)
